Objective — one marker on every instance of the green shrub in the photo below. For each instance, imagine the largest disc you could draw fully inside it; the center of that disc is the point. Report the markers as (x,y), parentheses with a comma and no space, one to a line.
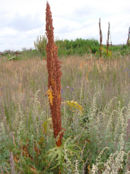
(69,47)
(40,44)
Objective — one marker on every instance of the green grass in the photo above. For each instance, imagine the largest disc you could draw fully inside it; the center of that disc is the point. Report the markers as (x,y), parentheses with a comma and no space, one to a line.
(21,55)
(94,138)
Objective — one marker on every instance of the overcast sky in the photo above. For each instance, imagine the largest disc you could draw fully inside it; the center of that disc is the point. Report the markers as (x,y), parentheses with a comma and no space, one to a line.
(21,21)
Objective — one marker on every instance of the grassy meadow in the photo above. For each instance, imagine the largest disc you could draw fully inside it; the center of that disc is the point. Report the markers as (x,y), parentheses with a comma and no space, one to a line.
(95,115)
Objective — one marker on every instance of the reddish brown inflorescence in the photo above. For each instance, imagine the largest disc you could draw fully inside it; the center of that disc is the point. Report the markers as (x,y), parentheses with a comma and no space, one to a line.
(100,33)
(108,37)
(54,78)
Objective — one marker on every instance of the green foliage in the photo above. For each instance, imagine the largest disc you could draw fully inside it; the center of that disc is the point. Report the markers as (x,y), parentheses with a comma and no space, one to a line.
(21,55)
(40,44)
(121,49)
(61,157)
(104,52)
(77,47)
(80,47)
(68,47)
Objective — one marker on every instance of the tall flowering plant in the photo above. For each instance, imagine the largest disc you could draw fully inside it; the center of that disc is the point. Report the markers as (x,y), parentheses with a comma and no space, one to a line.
(54,78)
(100,34)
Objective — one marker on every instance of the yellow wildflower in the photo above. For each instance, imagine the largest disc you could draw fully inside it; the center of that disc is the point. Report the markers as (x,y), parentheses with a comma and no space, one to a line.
(50,96)
(74,104)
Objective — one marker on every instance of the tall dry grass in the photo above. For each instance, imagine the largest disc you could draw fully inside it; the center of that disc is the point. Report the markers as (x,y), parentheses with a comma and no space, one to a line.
(101,87)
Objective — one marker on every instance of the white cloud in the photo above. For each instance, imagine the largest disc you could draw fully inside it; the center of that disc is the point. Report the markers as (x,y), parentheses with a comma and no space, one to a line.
(21,21)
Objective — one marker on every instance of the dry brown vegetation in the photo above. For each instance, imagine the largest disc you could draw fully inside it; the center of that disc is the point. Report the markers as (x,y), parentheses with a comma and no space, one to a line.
(100,86)
(21,79)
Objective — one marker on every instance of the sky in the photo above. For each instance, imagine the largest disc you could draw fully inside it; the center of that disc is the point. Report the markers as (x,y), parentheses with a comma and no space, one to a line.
(22,21)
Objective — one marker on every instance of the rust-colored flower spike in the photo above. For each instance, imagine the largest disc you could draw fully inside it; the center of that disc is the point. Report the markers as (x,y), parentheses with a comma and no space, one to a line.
(108,37)
(100,33)
(54,78)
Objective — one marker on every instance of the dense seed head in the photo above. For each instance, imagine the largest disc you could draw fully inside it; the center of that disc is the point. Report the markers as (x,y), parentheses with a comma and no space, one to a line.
(54,77)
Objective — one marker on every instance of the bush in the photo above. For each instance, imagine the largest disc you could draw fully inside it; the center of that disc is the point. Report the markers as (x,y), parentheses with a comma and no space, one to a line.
(69,47)
(40,44)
